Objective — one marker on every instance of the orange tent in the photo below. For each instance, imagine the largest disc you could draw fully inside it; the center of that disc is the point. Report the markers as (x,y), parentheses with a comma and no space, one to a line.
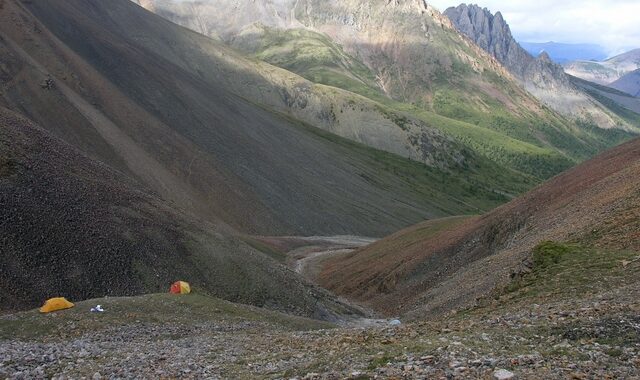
(180,287)
(54,304)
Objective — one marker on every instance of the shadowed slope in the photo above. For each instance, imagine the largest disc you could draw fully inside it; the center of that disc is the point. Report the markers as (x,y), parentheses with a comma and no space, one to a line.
(630,83)
(596,203)
(70,226)
(159,103)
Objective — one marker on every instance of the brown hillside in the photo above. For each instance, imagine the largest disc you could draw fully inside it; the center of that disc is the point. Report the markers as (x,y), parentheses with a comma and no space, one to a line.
(597,203)
(70,226)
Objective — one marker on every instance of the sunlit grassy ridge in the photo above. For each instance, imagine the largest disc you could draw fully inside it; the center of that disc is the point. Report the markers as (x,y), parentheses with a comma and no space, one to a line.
(539,145)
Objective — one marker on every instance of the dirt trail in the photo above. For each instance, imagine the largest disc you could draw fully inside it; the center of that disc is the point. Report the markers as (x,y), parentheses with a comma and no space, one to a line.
(302,264)
(306,257)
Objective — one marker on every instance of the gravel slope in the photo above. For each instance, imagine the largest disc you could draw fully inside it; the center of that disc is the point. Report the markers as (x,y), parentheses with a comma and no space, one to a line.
(160,336)
(70,226)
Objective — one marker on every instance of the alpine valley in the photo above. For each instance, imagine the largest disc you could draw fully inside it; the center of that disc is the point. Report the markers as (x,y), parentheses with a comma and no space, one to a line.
(351,188)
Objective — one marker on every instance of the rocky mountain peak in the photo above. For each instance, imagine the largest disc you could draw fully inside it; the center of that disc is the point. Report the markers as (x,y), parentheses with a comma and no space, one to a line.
(545,57)
(540,76)
(491,33)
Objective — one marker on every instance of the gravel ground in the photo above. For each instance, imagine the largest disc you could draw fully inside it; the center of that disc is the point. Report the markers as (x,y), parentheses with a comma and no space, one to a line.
(596,337)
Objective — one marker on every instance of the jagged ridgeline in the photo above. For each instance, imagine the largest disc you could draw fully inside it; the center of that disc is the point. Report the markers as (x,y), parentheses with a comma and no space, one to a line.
(412,62)
(544,79)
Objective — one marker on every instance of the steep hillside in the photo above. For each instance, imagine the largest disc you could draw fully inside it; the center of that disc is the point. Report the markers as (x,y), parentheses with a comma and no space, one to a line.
(540,76)
(444,265)
(605,72)
(70,226)
(173,109)
(629,83)
(623,104)
(408,57)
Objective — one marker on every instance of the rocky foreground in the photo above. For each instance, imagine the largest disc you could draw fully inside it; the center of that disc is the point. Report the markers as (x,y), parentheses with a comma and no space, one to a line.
(163,336)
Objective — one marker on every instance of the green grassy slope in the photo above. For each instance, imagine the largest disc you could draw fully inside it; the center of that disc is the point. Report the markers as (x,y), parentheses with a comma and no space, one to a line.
(540,144)
(150,309)
(312,55)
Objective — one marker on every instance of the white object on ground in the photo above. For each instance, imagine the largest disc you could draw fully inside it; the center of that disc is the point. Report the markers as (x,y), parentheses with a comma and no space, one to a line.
(97,309)
(395,322)
(503,374)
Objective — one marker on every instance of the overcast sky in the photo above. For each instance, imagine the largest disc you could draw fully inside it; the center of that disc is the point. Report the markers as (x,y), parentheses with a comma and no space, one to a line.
(613,24)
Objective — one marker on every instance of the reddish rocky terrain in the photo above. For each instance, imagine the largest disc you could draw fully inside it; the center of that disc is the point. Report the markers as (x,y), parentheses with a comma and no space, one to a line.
(596,203)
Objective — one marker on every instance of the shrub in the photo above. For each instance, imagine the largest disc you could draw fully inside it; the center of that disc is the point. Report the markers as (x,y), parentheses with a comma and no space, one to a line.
(548,253)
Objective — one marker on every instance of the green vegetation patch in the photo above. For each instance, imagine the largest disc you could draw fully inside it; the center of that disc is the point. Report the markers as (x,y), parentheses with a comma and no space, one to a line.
(562,270)
(549,253)
(465,190)
(315,57)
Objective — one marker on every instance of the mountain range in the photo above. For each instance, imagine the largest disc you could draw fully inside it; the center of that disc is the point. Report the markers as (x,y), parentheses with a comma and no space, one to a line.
(562,53)
(607,71)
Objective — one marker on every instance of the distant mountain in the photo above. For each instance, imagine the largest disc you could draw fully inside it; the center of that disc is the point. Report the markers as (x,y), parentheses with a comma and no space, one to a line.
(562,52)
(623,104)
(605,72)
(540,76)
(629,83)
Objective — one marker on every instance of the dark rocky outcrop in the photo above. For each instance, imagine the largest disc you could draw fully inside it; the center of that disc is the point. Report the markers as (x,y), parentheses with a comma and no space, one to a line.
(492,33)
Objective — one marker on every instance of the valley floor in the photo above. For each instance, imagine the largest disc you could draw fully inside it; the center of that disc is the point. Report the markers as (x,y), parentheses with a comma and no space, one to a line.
(594,335)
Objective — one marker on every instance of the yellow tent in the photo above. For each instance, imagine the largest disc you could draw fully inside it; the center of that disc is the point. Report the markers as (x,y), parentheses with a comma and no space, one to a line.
(180,287)
(53,304)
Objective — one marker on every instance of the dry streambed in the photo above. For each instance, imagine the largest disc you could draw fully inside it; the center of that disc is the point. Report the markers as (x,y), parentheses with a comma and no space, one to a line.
(310,250)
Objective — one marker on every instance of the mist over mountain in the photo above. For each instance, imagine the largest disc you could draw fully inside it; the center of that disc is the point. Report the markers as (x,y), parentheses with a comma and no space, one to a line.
(563,52)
